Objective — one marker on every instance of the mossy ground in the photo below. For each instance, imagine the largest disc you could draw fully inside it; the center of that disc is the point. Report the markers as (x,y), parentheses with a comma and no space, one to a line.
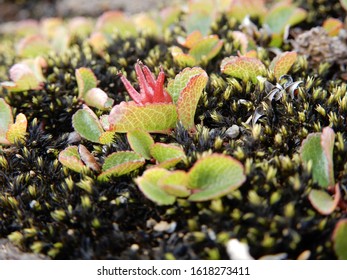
(48,209)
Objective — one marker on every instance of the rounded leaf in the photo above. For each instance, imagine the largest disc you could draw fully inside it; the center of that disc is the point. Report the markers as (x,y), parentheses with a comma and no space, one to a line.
(71,159)
(323,202)
(166,155)
(16,131)
(86,80)
(214,176)
(175,183)
(140,141)
(340,240)
(148,184)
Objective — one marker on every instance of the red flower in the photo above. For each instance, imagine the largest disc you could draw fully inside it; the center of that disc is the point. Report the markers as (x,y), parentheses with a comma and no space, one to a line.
(151,90)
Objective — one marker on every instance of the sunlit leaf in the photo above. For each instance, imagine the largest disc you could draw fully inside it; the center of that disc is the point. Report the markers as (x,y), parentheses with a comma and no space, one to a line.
(333,26)
(23,77)
(199,20)
(16,131)
(33,46)
(191,39)
(323,202)
(244,68)
(145,23)
(148,184)
(282,15)
(318,148)
(86,80)
(97,98)
(120,163)
(166,155)
(152,117)
(86,123)
(88,159)
(99,42)
(207,48)
(106,137)
(49,26)
(214,176)
(189,97)
(116,21)
(175,183)
(71,159)
(241,8)
(340,240)
(6,119)
(140,141)
(182,59)
(60,42)
(282,63)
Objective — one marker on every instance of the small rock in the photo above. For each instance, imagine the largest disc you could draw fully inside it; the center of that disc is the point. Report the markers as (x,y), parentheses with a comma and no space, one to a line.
(233,131)
(165,226)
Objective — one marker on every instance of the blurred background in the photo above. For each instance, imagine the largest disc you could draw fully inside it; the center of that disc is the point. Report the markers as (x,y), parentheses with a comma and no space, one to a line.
(11,10)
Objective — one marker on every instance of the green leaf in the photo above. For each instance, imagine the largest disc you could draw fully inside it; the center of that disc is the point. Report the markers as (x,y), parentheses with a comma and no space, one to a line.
(33,46)
(323,202)
(181,58)
(177,85)
(344,4)
(86,80)
(207,48)
(282,15)
(239,9)
(97,98)
(152,117)
(98,42)
(340,240)
(175,183)
(167,155)
(214,176)
(140,141)
(86,123)
(71,159)
(120,163)
(23,77)
(282,63)
(148,184)
(318,148)
(6,120)
(16,131)
(244,68)
(115,21)
(198,20)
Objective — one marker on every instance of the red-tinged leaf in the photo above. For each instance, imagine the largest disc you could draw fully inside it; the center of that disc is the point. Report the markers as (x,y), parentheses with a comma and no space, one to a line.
(191,39)
(339,238)
(16,131)
(181,58)
(97,98)
(189,97)
(116,21)
(88,159)
(98,42)
(282,63)
(86,123)
(214,176)
(152,117)
(49,26)
(106,137)
(175,183)
(33,46)
(120,163)
(71,159)
(242,39)
(244,68)
(327,141)
(207,48)
(86,80)
(148,184)
(167,155)
(333,26)
(23,78)
(323,202)
(242,8)
(140,141)
(6,120)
